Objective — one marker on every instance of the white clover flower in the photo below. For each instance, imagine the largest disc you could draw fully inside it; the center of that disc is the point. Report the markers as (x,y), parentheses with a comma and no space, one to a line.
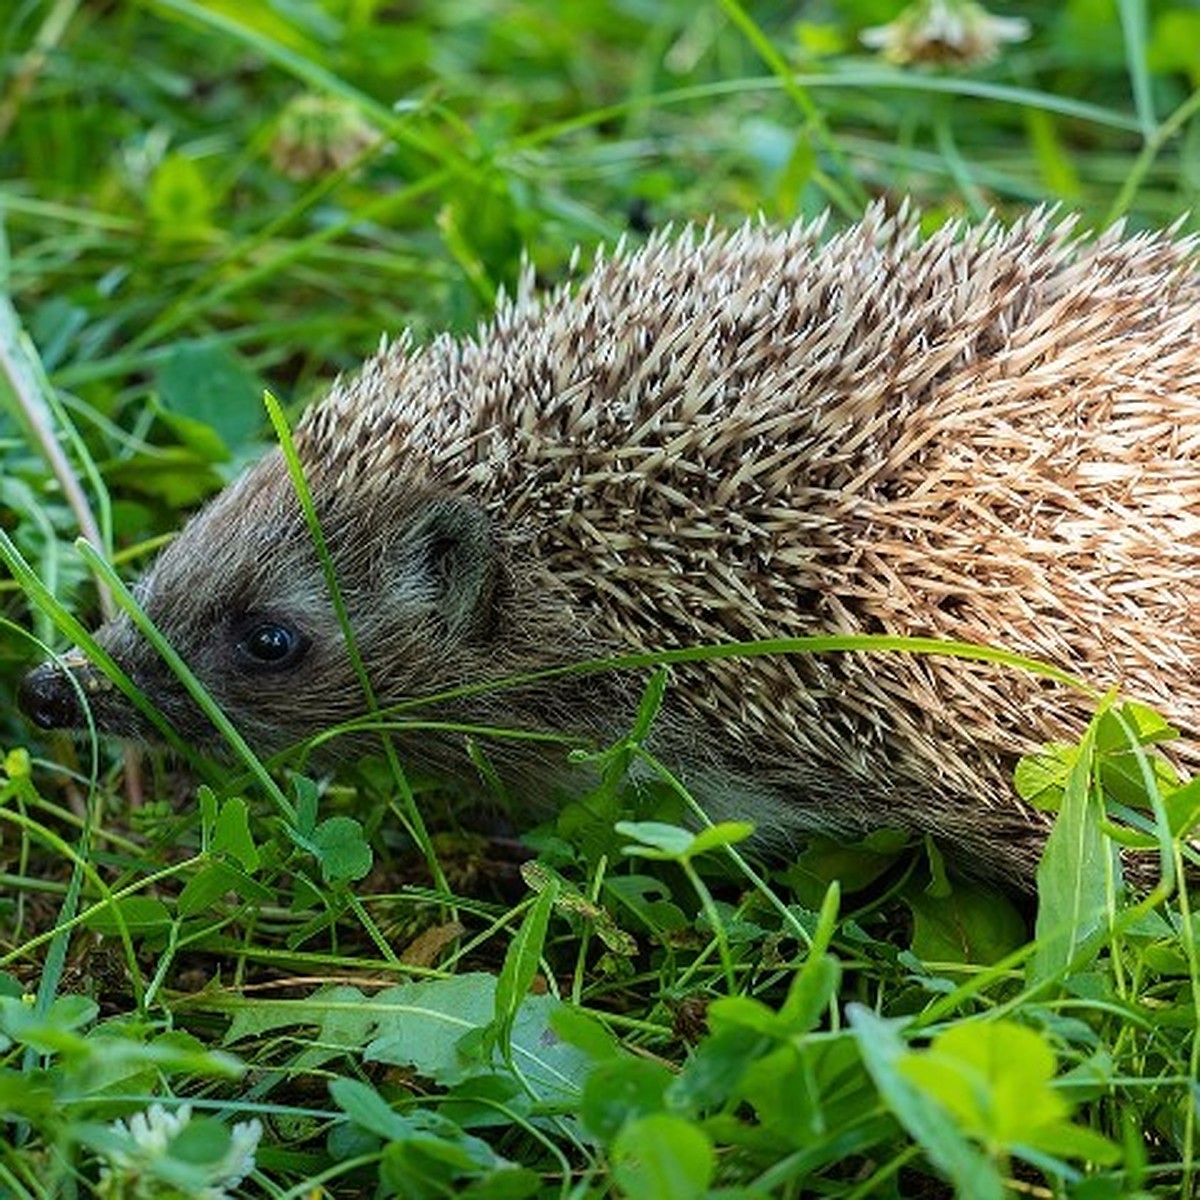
(318,135)
(948,31)
(142,1168)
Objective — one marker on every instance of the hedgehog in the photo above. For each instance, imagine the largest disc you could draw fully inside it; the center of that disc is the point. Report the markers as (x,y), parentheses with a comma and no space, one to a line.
(989,434)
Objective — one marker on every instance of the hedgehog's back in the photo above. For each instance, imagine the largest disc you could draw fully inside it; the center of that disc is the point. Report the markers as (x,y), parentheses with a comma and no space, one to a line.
(990,435)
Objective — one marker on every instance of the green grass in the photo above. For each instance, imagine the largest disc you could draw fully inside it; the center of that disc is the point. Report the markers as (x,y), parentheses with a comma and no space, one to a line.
(204,200)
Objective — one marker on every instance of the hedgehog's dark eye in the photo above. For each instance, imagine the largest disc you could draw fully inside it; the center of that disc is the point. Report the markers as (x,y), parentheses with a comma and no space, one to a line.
(272,644)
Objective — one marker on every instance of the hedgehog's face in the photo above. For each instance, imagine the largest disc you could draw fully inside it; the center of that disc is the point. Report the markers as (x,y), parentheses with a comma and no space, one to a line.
(241,596)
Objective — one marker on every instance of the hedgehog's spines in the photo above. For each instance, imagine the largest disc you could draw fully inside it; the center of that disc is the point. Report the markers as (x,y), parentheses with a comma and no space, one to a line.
(987,434)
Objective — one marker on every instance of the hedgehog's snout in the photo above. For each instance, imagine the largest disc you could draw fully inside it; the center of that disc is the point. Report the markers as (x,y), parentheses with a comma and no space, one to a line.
(49,694)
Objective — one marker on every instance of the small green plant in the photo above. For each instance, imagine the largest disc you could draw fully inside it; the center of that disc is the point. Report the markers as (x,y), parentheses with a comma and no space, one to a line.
(776,1048)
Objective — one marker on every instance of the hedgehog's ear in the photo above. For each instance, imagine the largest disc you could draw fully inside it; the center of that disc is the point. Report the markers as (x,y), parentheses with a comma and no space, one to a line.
(450,557)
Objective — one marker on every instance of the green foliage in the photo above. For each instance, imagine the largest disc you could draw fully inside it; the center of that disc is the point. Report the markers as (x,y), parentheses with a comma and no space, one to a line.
(273,975)
(775,1094)
(995,1079)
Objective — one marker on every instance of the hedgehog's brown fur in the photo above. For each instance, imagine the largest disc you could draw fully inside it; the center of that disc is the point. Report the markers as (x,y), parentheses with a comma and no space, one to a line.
(990,435)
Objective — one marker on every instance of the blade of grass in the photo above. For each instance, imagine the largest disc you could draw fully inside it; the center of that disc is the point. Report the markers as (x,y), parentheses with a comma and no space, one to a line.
(1133,26)
(1150,151)
(846,192)
(411,812)
(27,394)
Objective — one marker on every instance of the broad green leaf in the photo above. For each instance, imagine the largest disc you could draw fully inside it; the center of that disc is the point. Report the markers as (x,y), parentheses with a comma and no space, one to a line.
(852,865)
(342,1020)
(175,475)
(141,915)
(521,963)
(209,398)
(621,1090)
(584,1032)
(745,1012)
(437,1027)
(1074,876)
(1183,808)
(716,837)
(67,1015)
(430,1155)
(231,834)
(423,1167)
(883,1051)
(656,840)
(107,1055)
(214,881)
(663,1157)
(716,1069)
(971,924)
(649,901)
(805,1091)
(342,1015)
(993,1077)
(660,841)
(1064,1140)
(116,1060)
(367,1108)
(1149,727)
(344,853)
(23,1097)
(485,1102)
(812,991)
(1040,777)
(307,796)
(206,801)
(202,1141)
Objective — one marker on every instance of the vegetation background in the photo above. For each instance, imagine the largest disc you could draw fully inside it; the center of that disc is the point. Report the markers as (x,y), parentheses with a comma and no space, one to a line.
(203,199)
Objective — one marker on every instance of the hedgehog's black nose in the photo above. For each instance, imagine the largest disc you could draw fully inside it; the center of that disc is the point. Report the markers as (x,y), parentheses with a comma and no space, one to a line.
(47,698)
